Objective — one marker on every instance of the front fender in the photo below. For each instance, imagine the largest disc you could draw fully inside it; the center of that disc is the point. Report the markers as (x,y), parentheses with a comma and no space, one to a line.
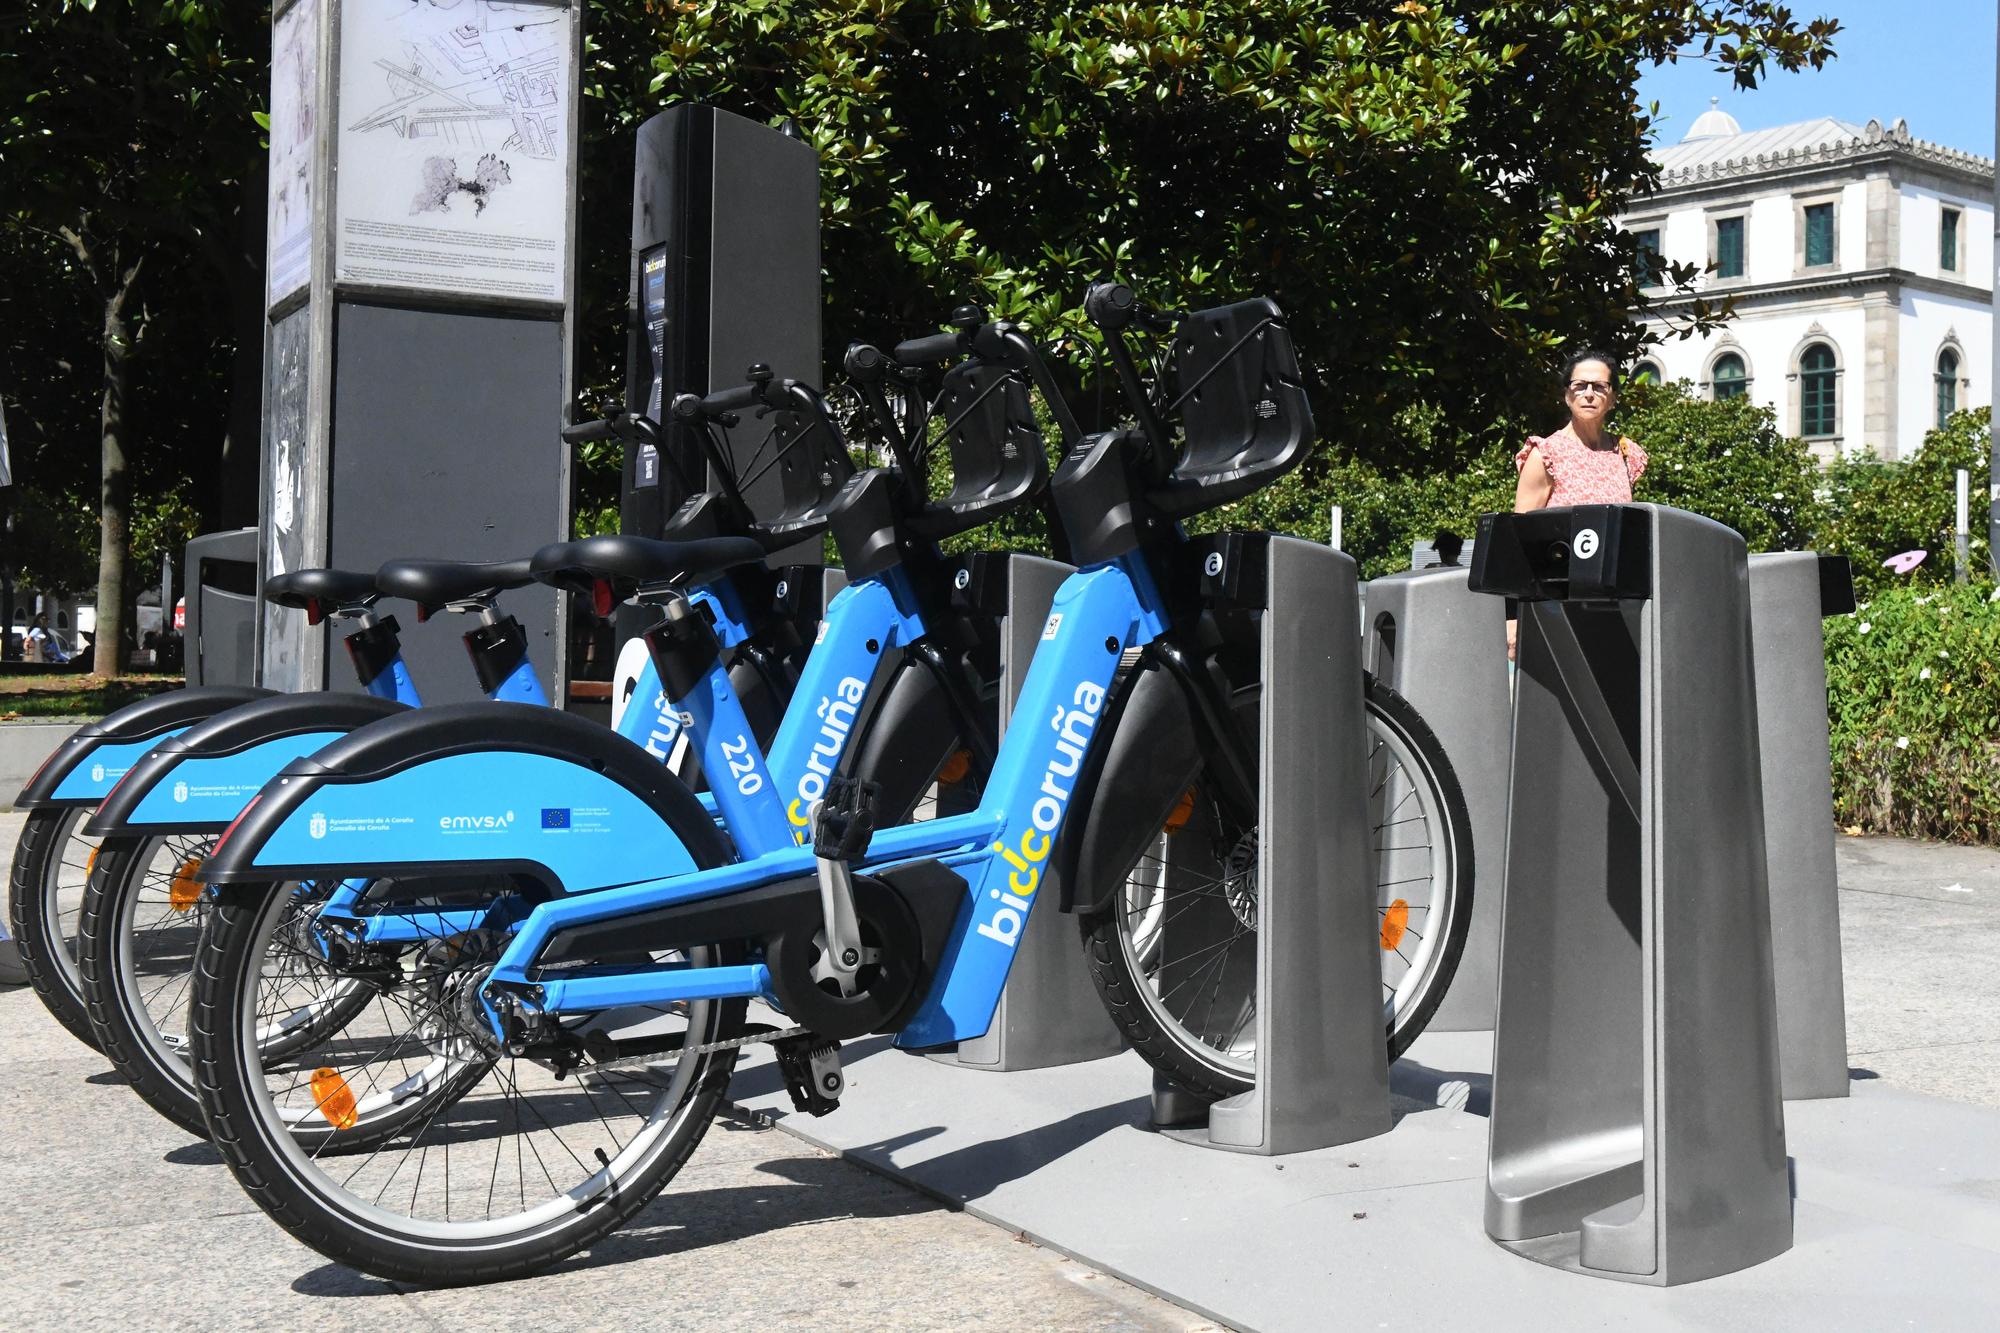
(503,788)
(1129,785)
(198,781)
(83,769)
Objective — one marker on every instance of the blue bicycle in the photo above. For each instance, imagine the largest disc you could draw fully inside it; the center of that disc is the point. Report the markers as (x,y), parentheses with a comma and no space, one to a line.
(144,905)
(570,1039)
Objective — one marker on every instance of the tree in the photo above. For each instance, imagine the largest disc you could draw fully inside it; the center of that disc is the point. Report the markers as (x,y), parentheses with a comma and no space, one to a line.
(1428,189)
(127,138)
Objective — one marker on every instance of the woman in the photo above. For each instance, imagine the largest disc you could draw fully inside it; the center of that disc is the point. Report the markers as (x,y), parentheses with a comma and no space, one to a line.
(1581,464)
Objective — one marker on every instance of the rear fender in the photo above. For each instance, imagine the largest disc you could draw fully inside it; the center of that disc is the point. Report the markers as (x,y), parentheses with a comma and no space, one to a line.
(500,788)
(198,781)
(84,768)
(1129,785)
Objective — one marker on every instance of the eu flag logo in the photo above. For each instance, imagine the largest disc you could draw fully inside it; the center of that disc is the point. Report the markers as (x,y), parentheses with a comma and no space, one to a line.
(555,818)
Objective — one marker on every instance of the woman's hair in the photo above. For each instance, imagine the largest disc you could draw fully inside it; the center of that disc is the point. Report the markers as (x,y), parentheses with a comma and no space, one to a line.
(1591,354)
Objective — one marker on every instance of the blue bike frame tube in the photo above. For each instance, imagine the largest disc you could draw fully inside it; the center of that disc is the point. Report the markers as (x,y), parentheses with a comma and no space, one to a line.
(811,739)
(521,686)
(651,721)
(999,849)
(864,621)
(393,682)
(744,798)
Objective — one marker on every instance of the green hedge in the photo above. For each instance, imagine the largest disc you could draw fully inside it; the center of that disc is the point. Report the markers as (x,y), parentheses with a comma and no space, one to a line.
(1913,708)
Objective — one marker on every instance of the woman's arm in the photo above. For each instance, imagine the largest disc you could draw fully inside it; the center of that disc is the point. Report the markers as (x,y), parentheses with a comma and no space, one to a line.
(1533,489)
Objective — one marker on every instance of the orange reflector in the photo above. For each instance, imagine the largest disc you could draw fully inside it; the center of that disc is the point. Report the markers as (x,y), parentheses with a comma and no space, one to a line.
(956,767)
(90,866)
(333,1099)
(1394,922)
(1182,812)
(185,891)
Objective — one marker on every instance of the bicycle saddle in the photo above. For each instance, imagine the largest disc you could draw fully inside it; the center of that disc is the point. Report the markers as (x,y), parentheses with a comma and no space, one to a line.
(301,589)
(432,584)
(630,563)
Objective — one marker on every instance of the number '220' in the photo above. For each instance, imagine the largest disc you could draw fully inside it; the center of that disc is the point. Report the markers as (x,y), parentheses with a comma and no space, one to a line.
(737,753)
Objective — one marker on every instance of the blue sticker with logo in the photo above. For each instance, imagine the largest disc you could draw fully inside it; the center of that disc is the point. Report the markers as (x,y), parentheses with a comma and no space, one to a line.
(480,808)
(98,773)
(215,790)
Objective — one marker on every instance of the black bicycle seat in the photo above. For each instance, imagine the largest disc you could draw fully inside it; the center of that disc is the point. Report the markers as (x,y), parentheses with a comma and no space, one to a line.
(435,583)
(628,563)
(312,589)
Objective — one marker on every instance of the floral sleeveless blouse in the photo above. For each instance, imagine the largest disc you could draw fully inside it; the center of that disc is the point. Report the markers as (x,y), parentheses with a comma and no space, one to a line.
(1583,475)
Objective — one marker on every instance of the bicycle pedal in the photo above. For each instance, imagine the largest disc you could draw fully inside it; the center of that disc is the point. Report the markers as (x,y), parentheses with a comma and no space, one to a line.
(811,1069)
(846,819)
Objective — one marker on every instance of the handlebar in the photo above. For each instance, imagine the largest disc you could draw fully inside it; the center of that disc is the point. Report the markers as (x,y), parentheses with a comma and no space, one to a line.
(623,426)
(967,322)
(1113,307)
(865,364)
(589,432)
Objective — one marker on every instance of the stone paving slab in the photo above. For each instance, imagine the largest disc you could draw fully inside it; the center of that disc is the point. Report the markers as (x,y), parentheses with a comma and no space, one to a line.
(1897,1202)
(763,1232)
(110,1217)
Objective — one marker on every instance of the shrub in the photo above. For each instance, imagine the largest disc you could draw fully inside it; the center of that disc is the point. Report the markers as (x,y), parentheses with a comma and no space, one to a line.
(1727,461)
(1914,713)
(1875,510)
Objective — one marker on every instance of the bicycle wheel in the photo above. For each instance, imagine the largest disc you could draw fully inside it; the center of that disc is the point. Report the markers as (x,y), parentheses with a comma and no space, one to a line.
(1174,953)
(408,1144)
(142,920)
(45,891)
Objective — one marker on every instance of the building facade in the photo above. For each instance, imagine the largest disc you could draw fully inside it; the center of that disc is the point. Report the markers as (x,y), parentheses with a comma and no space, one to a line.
(1861,264)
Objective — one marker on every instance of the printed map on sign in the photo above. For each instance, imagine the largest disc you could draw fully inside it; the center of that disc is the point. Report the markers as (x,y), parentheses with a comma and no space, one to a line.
(454,142)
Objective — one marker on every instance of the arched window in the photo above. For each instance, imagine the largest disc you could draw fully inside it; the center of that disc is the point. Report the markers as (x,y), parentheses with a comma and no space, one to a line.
(1727,377)
(1645,373)
(1819,390)
(1947,385)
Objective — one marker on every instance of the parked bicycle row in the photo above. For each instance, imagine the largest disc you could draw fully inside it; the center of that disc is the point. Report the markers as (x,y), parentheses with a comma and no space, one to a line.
(455,990)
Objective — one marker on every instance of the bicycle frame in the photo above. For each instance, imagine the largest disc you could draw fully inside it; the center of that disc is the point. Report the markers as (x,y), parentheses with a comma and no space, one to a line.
(997,849)
(766,807)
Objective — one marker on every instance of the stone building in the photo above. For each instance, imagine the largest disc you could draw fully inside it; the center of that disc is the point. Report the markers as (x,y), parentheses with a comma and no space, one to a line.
(1861,261)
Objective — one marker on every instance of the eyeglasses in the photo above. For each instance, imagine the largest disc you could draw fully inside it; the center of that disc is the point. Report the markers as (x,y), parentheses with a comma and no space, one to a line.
(1589,386)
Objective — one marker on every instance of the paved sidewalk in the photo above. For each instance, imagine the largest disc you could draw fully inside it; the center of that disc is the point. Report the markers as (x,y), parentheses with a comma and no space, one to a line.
(1920,946)
(111,1217)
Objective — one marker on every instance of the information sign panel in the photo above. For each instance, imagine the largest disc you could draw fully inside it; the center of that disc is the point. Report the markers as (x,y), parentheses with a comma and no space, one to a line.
(294,111)
(453,150)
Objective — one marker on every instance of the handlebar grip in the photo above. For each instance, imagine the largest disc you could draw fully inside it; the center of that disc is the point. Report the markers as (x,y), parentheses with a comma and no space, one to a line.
(865,363)
(693,407)
(589,432)
(930,350)
(1110,305)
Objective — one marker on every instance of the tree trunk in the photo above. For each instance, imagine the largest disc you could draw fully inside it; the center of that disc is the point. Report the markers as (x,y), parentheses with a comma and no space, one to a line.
(114,527)
(235,493)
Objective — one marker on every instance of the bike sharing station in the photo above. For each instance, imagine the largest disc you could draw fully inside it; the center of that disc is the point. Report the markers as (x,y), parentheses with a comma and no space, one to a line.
(1632,1109)
(1656,1096)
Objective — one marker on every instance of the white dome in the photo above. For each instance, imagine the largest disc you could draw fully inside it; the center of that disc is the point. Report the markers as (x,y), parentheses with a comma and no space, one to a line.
(1713,123)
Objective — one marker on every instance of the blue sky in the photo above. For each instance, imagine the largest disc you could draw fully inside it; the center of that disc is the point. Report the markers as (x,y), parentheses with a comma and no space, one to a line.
(1928,61)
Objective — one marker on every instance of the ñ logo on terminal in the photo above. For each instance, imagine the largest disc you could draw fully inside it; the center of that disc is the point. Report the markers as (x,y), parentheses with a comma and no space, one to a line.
(1586,543)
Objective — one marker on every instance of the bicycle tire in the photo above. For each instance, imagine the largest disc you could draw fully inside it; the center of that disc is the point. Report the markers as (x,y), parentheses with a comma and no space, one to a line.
(36,915)
(127,966)
(1137,1010)
(288,1184)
